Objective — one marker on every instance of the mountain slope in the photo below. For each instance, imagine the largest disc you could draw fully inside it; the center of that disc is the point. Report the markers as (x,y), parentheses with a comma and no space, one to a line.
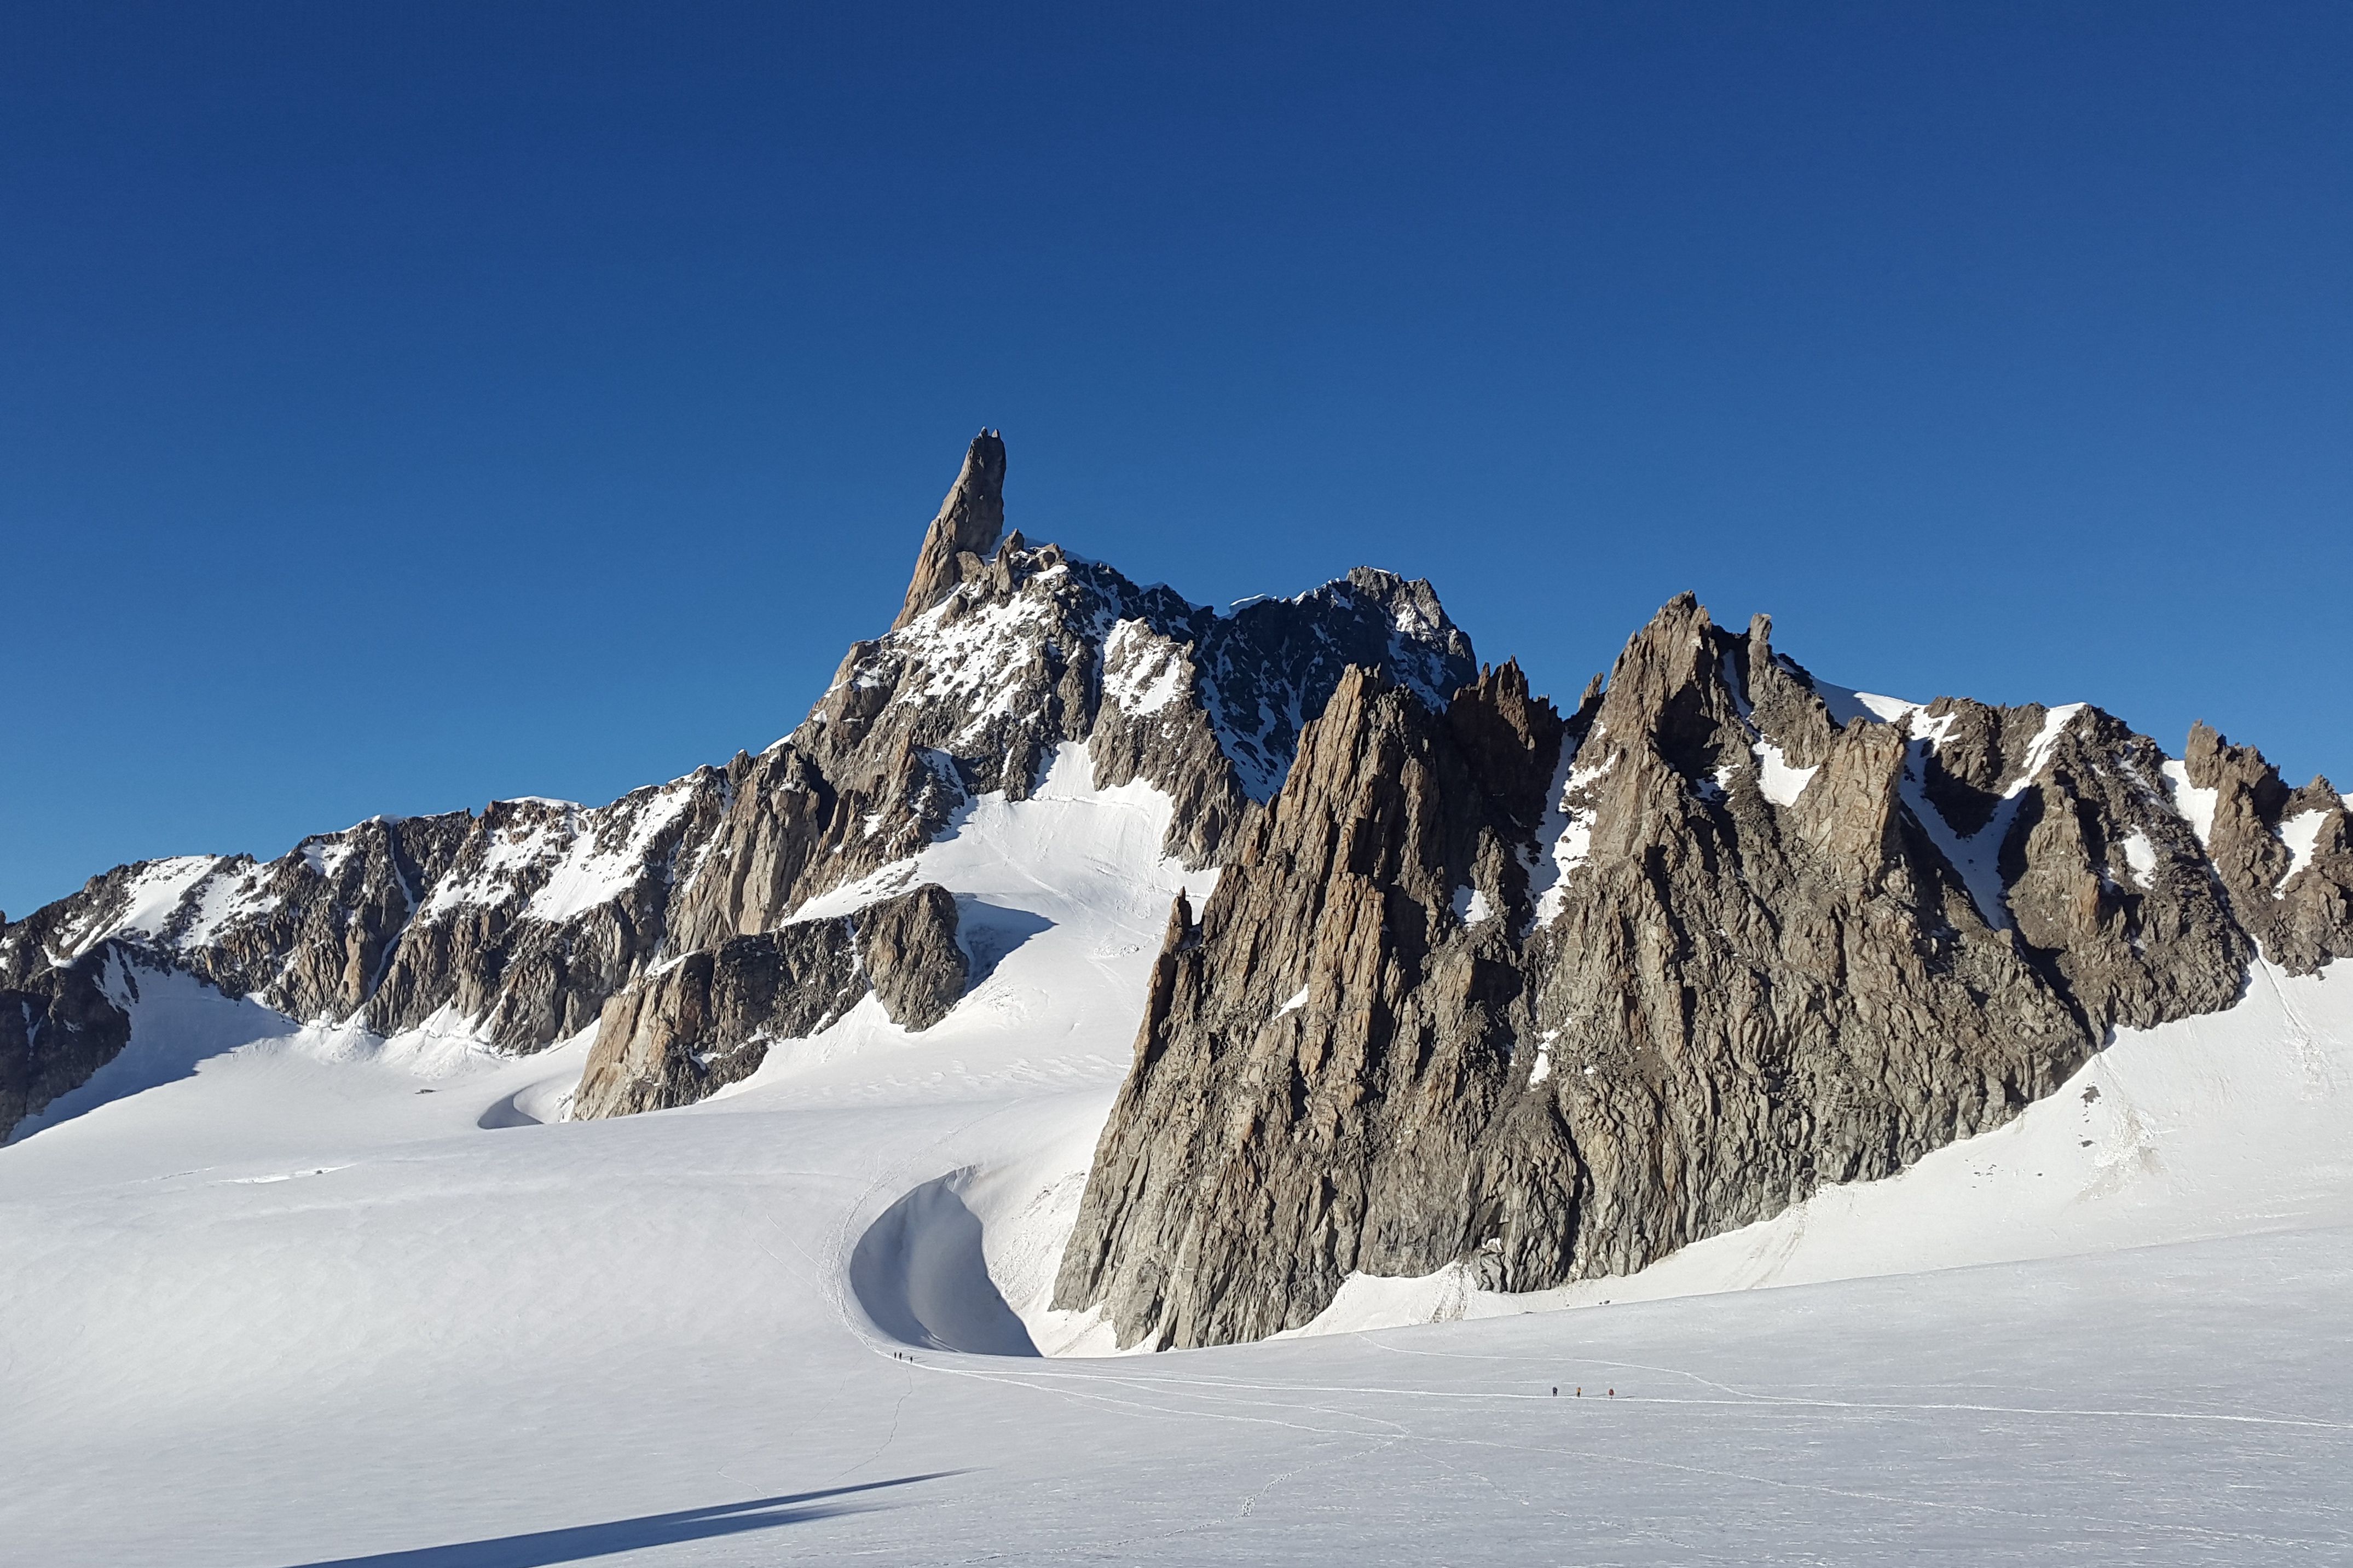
(518,926)
(289,1310)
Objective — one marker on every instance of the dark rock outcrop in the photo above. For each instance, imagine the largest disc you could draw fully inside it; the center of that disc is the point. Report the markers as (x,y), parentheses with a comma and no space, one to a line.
(2286,856)
(703,1021)
(1322,1055)
(697,1025)
(59,1027)
(909,948)
(1556,997)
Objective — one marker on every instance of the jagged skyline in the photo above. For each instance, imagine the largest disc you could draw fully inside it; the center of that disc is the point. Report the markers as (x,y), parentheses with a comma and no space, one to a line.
(408,410)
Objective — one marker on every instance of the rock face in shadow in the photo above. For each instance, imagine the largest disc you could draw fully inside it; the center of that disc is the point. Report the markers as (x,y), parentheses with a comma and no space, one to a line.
(706,1020)
(1559,996)
(59,1027)
(518,924)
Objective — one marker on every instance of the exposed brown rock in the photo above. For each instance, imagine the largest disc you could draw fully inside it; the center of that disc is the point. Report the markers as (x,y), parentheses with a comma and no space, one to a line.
(2301,915)
(956,547)
(908,946)
(701,1022)
(1323,1053)
(690,1028)
(1724,999)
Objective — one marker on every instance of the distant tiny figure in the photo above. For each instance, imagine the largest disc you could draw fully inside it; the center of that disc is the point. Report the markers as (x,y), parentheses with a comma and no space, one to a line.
(1613,1394)
(1556,1393)
(1580,1391)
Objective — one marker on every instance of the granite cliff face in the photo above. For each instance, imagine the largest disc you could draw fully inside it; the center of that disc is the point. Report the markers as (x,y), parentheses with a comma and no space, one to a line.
(520,924)
(1557,995)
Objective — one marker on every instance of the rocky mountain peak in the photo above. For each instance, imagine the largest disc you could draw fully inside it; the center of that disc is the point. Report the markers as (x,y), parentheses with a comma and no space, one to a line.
(536,920)
(2286,856)
(1511,738)
(1565,994)
(1670,688)
(956,546)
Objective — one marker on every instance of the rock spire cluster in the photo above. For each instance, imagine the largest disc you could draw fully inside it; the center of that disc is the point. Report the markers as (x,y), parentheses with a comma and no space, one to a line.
(1556,995)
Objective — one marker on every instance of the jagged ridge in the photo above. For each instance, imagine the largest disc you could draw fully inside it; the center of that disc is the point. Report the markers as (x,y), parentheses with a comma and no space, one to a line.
(1559,997)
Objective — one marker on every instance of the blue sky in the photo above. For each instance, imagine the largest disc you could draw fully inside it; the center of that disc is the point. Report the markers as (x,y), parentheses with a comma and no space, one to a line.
(406,406)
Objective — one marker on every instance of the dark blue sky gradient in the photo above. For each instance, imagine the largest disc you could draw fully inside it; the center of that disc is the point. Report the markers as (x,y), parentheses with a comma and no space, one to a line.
(405,405)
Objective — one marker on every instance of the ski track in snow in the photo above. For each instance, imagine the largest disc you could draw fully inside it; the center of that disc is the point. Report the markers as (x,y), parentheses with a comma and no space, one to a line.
(285,1296)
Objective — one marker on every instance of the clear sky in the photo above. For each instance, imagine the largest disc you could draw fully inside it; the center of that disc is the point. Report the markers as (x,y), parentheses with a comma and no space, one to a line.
(406,404)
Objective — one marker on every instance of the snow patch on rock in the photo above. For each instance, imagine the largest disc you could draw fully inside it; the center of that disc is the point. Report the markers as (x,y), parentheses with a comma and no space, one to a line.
(1846,704)
(1565,840)
(1780,783)
(2195,805)
(2301,833)
(150,897)
(608,852)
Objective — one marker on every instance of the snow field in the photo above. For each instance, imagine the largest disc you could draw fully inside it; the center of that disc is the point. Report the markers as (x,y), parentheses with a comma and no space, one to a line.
(284,1297)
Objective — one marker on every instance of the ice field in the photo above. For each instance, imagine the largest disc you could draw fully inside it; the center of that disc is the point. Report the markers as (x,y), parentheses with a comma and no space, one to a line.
(280,1297)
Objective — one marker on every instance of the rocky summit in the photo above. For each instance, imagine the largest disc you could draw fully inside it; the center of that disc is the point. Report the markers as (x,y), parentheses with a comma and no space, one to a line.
(1542,995)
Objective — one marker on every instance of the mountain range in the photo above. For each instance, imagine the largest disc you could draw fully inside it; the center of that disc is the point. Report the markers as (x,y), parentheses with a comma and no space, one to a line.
(1458,978)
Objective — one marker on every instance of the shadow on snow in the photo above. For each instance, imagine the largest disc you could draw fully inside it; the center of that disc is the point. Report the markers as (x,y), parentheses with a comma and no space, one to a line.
(989,932)
(581,1542)
(920,1274)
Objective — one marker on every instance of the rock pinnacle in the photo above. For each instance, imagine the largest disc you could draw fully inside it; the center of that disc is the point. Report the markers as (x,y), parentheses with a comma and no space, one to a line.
(966,530)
